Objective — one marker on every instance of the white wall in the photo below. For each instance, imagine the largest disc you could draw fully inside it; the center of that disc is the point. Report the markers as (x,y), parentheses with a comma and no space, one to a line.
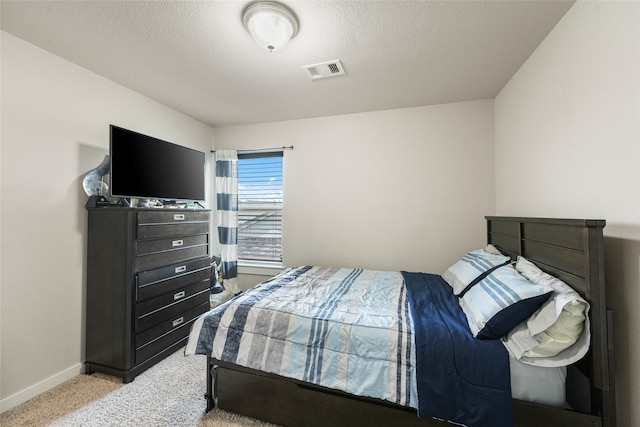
(55,128)
(567,143)
(398,189)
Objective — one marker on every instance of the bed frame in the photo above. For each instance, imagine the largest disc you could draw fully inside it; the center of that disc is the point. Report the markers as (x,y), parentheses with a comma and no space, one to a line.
(572,250)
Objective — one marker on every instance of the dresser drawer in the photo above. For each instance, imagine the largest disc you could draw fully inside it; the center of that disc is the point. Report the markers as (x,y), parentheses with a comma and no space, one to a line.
(178,216)
(153,225)
(153,341)
(156,231)
(174,270)
(174,284)
(158,310)
(156,253)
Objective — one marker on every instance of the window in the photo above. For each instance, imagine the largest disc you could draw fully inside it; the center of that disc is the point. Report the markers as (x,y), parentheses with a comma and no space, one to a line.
(260,207)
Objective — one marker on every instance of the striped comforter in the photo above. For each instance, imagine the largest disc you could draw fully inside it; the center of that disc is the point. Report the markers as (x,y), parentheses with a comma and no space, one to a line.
(400,337)
(346,329)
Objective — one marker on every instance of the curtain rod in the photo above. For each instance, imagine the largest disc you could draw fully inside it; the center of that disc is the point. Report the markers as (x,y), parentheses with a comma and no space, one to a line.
(262,149)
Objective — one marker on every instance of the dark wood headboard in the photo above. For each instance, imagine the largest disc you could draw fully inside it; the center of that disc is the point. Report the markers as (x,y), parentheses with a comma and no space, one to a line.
(573,251)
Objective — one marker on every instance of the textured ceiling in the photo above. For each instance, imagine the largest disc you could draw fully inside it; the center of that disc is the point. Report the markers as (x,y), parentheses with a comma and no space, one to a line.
(196,57)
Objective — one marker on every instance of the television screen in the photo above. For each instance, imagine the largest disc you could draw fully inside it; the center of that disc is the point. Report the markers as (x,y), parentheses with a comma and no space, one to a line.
(144,167)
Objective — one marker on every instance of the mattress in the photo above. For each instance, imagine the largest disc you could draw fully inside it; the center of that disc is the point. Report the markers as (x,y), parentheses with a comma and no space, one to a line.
(538,384)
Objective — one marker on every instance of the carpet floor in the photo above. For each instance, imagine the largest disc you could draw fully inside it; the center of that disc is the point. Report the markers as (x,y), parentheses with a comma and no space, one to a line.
(171,393)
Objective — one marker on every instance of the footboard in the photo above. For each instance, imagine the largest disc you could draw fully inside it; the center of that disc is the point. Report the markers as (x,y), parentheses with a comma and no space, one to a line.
(288,402)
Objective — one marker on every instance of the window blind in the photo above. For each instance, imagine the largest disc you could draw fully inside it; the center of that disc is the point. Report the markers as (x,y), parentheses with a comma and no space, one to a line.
(260,206)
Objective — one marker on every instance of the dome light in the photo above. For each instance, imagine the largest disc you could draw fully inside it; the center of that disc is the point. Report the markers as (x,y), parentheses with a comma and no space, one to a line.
(271,24)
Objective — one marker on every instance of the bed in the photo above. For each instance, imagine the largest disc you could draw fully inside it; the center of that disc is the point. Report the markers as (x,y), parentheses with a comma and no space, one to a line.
(247,383)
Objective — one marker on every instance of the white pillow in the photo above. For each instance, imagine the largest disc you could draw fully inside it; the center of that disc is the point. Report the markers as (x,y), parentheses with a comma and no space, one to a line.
(558,334)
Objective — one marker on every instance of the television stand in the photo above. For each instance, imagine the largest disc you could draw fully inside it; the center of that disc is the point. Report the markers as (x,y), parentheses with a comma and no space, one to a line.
(148,275)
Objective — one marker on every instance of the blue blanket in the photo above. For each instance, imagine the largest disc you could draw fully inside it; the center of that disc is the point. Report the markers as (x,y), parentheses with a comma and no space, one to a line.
(459,378)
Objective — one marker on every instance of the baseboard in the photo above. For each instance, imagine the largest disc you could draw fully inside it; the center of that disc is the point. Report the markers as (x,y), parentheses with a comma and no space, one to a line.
(40,387)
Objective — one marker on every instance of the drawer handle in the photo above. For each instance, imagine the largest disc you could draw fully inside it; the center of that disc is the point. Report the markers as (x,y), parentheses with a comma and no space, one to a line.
(176,243)
(178,321)
(178,217)
(178,295)
(181,269)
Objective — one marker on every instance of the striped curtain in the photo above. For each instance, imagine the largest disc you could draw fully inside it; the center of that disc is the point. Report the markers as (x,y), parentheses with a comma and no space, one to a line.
(226,183)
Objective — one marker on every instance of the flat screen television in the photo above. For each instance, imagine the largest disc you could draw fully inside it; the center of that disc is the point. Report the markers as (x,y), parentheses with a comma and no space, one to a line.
(144,167)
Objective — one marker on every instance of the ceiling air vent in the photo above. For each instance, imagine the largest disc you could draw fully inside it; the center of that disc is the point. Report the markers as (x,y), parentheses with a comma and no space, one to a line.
(324,69)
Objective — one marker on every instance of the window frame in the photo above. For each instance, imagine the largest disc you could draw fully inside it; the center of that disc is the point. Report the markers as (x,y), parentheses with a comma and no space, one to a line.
(258,266)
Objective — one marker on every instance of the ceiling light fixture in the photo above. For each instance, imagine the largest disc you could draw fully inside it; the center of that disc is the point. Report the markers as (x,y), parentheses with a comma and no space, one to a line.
(271,24)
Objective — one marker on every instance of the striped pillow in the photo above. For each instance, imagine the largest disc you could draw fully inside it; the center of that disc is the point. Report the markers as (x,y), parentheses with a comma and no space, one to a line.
(501,301)
(472,268)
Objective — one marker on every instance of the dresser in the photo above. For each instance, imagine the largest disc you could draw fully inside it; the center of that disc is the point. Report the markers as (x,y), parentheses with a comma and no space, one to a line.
(147,282)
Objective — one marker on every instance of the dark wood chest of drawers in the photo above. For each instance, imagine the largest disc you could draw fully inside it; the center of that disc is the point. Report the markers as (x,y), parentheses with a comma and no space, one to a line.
(147,282)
